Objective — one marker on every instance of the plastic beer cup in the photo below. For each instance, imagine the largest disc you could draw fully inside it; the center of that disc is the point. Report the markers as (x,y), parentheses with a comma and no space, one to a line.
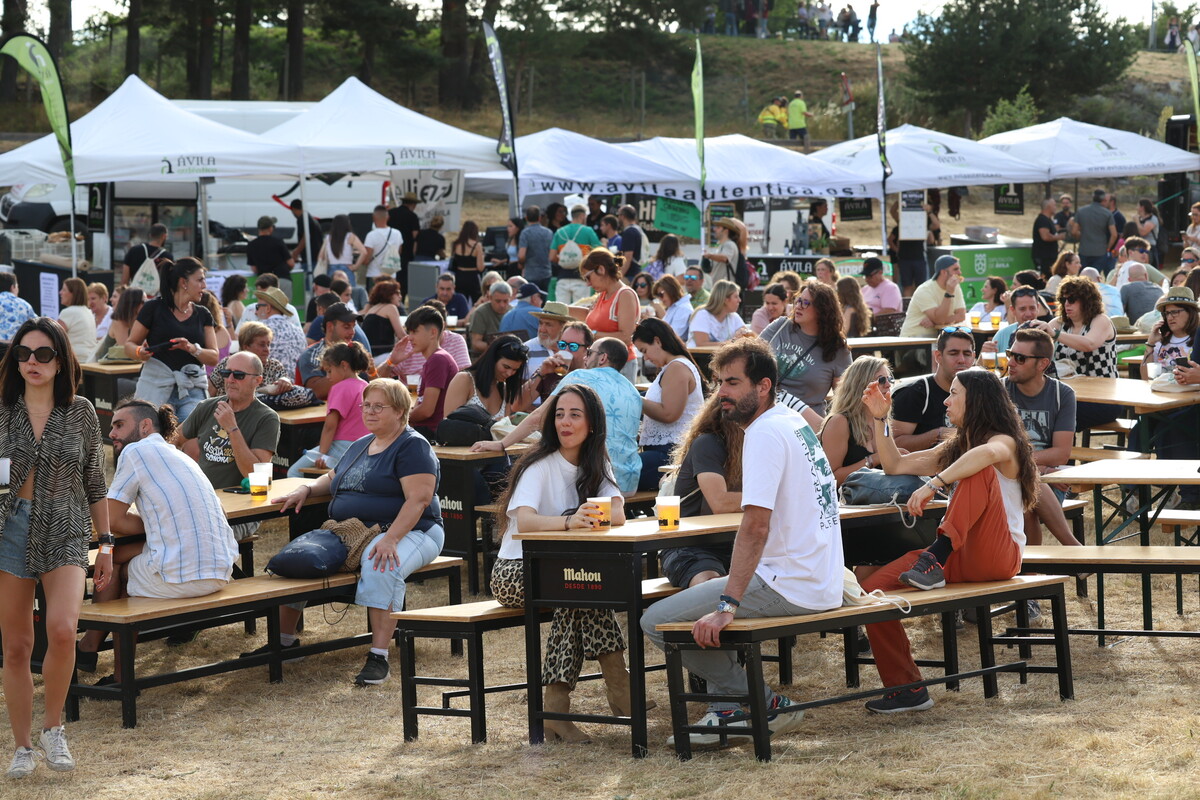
(668,513)
(605,513)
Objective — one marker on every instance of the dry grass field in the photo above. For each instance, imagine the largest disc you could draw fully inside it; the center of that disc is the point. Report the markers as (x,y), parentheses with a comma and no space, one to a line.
(1131,732)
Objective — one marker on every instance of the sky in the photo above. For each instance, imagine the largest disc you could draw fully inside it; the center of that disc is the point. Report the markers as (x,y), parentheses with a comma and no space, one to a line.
(892,13)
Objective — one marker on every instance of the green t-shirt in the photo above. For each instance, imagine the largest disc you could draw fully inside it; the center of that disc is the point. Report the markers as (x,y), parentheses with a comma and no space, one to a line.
(796,118)
(259,425)
(585,238)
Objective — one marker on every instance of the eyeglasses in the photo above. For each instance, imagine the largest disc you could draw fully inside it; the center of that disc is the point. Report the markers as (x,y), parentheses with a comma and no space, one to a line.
(374,408)
(1020,358)
(1171,312)
(571,346)
(236,374)
(44,355)
(803,303)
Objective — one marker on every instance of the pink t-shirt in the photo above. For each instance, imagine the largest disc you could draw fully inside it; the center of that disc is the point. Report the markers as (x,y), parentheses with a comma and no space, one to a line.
(885,295)
(345,397)
(437,373)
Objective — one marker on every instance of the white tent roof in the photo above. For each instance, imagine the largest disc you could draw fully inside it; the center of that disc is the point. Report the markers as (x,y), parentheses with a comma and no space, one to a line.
(137,134)
(356,129)
(1065,148)
(925,159)
(556,161)
(738,167)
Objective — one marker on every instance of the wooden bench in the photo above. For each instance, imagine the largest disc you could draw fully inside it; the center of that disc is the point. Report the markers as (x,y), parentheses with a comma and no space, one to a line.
(747,635)
(1120,427)
(261,595)
(467,623)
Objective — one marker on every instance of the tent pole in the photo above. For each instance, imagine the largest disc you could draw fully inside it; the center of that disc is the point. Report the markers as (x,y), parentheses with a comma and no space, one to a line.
(304,217)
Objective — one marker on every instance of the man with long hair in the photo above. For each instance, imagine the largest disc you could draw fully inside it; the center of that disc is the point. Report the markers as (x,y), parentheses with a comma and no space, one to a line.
(990,465)
(787,558)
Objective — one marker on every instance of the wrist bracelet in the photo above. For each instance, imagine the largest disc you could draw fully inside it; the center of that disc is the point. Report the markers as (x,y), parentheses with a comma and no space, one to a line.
(567,522)
(234,430)
(727,599)
(106,549)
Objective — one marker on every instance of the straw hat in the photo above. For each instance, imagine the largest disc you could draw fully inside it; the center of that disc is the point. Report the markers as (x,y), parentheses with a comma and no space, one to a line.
(729,224)
(557,312)
(1178,296)
(1121,324)
(275,298)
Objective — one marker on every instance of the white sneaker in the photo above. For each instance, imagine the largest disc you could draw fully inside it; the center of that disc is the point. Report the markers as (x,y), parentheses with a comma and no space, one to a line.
(24,762)
(54,744)
(715,720)
(783,723)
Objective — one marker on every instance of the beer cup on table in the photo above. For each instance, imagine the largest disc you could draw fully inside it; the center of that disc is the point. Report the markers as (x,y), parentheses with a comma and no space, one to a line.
(258,485)
(667,509)
(604,515)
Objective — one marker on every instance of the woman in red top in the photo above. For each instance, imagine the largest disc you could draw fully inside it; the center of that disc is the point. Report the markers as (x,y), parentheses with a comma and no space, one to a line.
(615,312)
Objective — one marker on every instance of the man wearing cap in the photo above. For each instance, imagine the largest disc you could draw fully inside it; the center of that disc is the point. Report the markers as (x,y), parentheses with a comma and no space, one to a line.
(937,302)
(882,295)
(520,317)
(405,220)
(287,342)
(485,322)
(1139,295)
(693,283)
(339,327)
(456,303)
(320,285)
(798,116)
(267,254)
(571,288)
(551,319)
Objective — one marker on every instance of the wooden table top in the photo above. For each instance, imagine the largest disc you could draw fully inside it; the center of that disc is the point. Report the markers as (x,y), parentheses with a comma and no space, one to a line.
(1129,392)
(1167,472)
(464,453)
(1090,555)
(304,416)
(243,505)
(113,367)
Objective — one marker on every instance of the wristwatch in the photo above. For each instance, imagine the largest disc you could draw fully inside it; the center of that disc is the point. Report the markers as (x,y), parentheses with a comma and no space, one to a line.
(726,607)
(947,294)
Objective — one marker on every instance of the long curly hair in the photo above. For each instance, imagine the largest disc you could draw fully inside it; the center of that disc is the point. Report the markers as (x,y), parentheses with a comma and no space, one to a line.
(1077,289)
(709,419)
(989,412)
(830,337)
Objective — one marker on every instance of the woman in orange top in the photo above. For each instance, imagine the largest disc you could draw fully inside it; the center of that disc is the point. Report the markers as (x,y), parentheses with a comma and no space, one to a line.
(616,310)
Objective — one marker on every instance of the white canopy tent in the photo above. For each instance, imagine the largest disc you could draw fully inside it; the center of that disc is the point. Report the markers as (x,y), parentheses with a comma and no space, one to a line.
(925,159)
(136,134)
(1065,149)
(356,129)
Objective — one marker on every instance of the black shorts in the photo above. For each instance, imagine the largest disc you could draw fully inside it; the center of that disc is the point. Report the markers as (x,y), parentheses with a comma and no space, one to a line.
(798,133)
(913,272)
(681,564)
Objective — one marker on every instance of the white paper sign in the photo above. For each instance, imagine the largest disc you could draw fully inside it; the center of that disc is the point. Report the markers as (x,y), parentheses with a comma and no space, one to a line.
(439,191)
(49,292)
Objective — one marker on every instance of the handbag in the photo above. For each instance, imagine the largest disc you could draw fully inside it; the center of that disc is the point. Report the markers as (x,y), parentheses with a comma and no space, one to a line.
(870,487)
(464,426)
(1165,382)
(146,277)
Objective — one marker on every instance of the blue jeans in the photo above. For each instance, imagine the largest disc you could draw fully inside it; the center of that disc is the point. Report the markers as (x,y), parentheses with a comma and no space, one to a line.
(718,667)
(336,450)
(186,403)
(385,590)
(653,457)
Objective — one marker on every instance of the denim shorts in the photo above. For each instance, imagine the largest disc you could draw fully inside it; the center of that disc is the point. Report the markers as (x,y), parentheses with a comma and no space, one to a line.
(386,590)
(15,540)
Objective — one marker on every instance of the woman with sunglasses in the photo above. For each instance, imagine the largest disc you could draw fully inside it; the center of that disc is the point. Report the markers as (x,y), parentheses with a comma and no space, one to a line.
(175,337)
(55,498)
(672,399)
(387,478)
(1084,338)
(643,286)
(675,304)
(810,348)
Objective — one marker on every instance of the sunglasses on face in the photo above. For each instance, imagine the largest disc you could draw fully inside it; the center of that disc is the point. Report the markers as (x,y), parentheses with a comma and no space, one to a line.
(44,355)
(236,374)
(1138,250)
(956,329)
(1019,358)
(1025,292)
(1187,261)
(571,346)
(515,351)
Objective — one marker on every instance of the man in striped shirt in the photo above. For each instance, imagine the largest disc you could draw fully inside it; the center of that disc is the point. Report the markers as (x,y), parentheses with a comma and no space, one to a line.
(189,549)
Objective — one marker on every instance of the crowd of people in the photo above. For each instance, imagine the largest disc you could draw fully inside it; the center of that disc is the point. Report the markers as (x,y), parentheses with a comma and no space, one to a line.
(811,21)
(785,387)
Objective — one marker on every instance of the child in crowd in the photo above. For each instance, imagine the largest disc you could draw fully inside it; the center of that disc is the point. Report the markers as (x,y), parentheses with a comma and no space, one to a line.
(343,425)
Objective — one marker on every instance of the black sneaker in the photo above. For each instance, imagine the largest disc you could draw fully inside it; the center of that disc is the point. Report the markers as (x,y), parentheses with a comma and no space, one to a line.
(374,672)
(111,680)
(925,574)
(182,637)
(85,661)
(905,700)
(266,648)
(863,645)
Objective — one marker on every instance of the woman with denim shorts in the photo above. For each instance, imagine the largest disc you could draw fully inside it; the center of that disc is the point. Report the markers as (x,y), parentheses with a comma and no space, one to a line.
(54,472)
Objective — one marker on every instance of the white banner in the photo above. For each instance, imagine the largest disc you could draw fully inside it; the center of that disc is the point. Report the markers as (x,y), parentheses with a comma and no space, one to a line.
(438,191)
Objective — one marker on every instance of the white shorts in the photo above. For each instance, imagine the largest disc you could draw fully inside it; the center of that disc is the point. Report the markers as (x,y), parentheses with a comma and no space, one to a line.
(144,582)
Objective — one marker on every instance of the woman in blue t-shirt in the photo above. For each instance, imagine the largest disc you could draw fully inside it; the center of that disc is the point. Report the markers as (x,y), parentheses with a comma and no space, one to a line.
(388,478)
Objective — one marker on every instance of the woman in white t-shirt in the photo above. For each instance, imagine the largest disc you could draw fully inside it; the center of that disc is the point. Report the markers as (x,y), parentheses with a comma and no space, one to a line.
(77,319)
(723,252)
(989,464)
(1172,337)
(718,321)
(671,401)
(668,260)
(549,491)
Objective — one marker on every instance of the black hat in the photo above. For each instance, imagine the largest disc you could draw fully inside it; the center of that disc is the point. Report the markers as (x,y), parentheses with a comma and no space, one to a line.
(322,281)
(340,312)
(529,289)
(871,265)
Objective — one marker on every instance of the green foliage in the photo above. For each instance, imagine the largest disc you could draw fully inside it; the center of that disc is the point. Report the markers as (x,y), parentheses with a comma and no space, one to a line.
(975,52)
(1010,115)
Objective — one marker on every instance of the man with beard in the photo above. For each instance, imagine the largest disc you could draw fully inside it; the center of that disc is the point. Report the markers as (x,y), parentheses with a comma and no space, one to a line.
(189,548)
(787,558)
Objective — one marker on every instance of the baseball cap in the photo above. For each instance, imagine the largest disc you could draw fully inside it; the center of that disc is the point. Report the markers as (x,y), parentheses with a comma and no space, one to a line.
(340,312)
(943,262)
(322,281)
(529,290)
(871,265)
(266,222)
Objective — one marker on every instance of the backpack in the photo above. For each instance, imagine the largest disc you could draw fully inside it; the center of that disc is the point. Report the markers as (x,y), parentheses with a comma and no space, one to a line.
(571,254)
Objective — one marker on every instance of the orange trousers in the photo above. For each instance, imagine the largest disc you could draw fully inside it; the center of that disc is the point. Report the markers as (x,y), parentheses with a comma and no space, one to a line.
(984,550)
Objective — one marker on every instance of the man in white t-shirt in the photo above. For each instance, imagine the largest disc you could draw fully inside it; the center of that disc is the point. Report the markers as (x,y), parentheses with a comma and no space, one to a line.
(787,559)
(375,247)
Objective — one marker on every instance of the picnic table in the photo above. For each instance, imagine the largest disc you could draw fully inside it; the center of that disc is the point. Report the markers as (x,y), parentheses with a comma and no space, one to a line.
(101,386)
(299,430)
